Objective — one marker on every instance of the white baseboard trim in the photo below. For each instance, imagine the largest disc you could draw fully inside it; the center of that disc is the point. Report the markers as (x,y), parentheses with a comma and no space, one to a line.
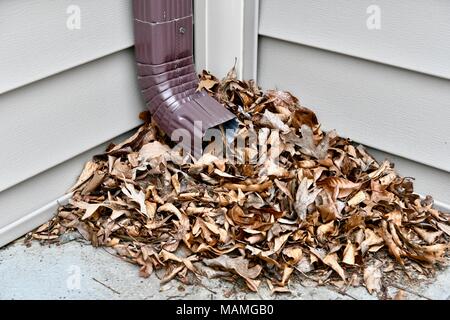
(20,227)
(442,206)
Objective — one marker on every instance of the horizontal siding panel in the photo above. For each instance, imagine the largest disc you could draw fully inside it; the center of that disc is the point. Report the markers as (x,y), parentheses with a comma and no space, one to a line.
(19,203)
(36,43)
(50,121)
(394,110)
(414,34)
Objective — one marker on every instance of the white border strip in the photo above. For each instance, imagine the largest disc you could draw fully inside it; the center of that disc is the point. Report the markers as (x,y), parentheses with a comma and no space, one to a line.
(20,227)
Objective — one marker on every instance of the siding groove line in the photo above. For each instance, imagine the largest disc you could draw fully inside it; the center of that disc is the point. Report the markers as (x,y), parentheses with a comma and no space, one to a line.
(352,55)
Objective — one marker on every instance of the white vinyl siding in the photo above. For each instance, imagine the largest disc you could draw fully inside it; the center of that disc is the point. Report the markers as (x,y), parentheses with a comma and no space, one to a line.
(388,89)
(414,34)
(55,119)
(64,95)
(35,42)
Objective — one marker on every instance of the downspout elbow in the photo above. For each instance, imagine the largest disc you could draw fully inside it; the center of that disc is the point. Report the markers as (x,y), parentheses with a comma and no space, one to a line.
(167,78)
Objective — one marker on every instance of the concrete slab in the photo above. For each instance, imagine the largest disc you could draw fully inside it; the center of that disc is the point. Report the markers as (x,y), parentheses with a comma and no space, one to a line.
(78,271)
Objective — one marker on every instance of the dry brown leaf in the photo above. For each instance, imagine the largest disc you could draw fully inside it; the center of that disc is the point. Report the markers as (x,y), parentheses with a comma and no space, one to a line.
(372,278)
(304,116)
(89,209)
(331,260)
(390,243)
(349,254)
(324,230)
(89,168)
(400,295)
(207,84)
(337,182)
(252,284)
(371,239)
(44,237)
(280,241)
(94,183)
(169,207)
(357,199)
(282,98)
(172,274)
(308,146)
(287,271)
(153,150)
(429,237)
(304,198)
(137,196)
(395,216)
(282,186)
(273,121)
(240,265)
(382,168)
(444,227)
(294,254)
(248,188)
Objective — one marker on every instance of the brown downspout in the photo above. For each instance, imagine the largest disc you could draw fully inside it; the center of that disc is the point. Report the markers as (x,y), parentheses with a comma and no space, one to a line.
(166,73)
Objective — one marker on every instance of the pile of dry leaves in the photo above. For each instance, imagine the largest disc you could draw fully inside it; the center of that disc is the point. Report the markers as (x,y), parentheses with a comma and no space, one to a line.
(312,203)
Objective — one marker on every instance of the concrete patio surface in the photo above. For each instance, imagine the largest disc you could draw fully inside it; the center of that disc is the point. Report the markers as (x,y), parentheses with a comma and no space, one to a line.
(76,270)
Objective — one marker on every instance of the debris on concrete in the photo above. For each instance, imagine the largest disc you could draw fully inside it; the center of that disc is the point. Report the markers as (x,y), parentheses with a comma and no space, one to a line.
(285,199)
